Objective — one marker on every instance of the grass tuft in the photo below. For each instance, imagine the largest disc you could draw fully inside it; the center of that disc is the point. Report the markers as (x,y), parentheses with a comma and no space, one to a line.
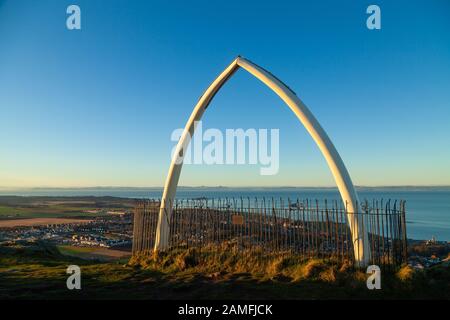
(405,274)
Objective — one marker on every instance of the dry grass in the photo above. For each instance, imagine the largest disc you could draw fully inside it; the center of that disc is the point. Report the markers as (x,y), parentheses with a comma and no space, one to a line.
(406,273)
(223,259)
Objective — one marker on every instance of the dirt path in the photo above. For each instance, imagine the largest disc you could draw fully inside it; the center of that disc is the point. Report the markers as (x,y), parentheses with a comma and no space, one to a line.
(91,253)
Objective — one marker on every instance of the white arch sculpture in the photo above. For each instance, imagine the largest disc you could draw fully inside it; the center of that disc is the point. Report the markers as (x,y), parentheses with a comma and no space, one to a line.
(344,183)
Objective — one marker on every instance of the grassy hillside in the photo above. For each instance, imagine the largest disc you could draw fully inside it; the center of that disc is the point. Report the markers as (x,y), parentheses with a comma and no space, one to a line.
(38,272)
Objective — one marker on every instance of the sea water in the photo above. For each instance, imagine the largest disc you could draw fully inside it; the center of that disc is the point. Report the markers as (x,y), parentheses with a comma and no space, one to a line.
(427,208)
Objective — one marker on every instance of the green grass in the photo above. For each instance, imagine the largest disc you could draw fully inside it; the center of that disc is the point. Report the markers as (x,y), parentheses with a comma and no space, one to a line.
(90,253)
(6,210)
(38,271)
(51,211)
(81,252)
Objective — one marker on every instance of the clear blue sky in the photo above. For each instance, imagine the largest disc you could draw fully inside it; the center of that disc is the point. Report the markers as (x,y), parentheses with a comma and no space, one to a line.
(96,107)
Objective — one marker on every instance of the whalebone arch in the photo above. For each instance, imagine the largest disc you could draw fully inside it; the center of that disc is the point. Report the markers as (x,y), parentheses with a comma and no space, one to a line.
(359,236)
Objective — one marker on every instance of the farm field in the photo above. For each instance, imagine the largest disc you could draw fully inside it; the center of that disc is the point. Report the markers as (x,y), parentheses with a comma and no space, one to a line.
(17,207)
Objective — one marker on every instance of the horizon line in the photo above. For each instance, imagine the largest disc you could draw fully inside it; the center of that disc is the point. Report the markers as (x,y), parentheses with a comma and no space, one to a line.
(219,186)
